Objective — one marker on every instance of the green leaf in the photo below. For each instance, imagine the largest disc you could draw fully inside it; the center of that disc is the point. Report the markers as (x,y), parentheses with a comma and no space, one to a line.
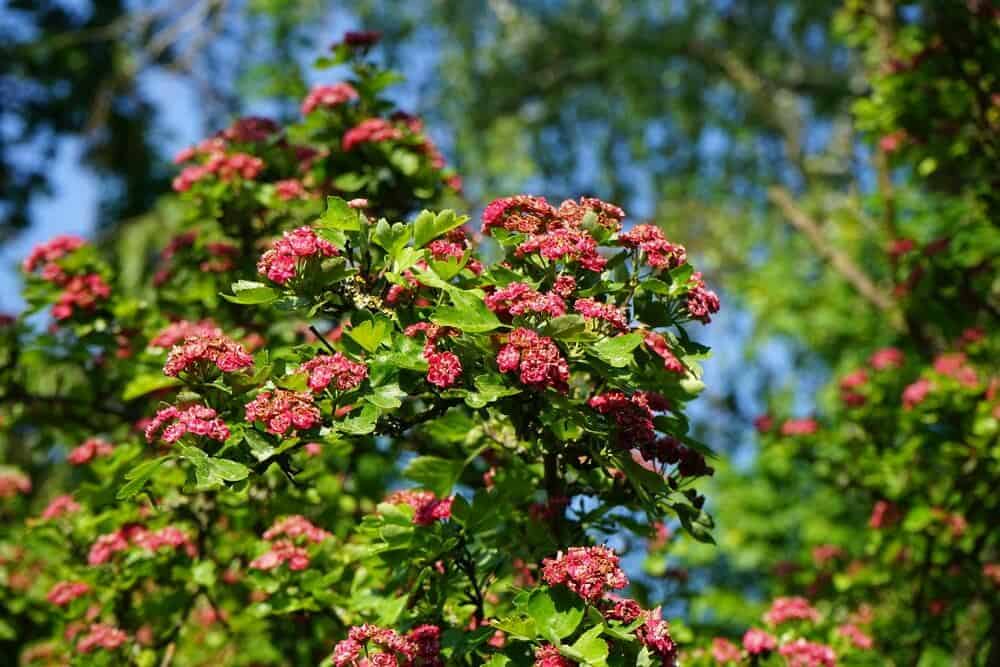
(564,327)
(434,473)
(227,470)
(260,445)
(369,333)
(469,314)
(491,387)
(617,351)
(361,424)
(918,518)
(350,181)
(248,292)
(590,649)
(554,621)
(339,215)
(387,396)
(428,226)
(147,384)
(392,238)
(138,477)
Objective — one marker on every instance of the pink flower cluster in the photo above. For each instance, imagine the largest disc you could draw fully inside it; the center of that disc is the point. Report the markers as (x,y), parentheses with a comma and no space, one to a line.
(60,506)
(790,609)
(335,369)
(91,449)
(690,462)
(420,647)
(226,167)
(633,414)
(82,292)
(795,427)
(571,213)
(884,513)
(13,483)
(658,345)
(522,213)
(888,357)
(296,526)
(281,409)
(548,655)
(658,251)
(801,653)
(179,331)
(250,130)
(371,130)
(915,393)
(590,572)
(289,189)
(443,368)
(955,366)
(107,545)
(101,635)
(328,97)
(758,642)
(857,638)
(445,249)
(654,633)
(281,263)
(595,310)
(194,419)
(519,299)
(536,358)
(849,384)
(282,551)
(428,507)
(45,255)
(565,245)
(702,302)
(65,592)
(724,651)
(198,353)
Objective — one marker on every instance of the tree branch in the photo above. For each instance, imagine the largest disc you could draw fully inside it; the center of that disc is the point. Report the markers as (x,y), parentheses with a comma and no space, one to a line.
(840,261)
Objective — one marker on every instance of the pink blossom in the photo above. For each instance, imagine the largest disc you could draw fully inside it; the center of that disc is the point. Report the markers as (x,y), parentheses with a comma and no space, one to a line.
(335,369)
(548,655)
(328,97)
(567,246)
(101,635)
(289,189)
(801,653)
(295,526)
(282,551)
(571,213)
(178,332)
(80,292)
(91,449)
(915,393)
(290,254)
(633,416)
(589,572)
(564,286)
(763,423)
(517,299)
(858,638)
(444,369)
(887,357)
(701,301)
(13,482)
(372,130)
(537,359)
(659,346)
(199,420)
(790,609)
(196,355)
(60,506)
(428,507)
(46,254)
(884,513)
(758,642)
(724,651)
(250,130)
(659,253)
(281,409)
(654,634)
(523,213)
(65,592)
(955,366)
(796,427)
(106,546)
(595,310)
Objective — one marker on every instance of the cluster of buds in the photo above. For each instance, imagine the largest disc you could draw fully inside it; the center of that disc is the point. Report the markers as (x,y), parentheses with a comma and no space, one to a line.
(333,369)
(107,545)
(46,256)
(657,251)
(592,309)
(285,258)
(427,507)
(175,422)
(227,167)
(281,410)
(537,360)
(81,292)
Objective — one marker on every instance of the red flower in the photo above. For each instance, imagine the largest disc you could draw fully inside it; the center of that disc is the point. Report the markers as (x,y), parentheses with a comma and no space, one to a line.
(517,299)
(46,254)
(282,551)
(103,636)
(915,393)
(281,409)
(60,506)
(888,357)
(884,514)
(659,346)
(801,653)
(80,292)
(757,642)
(65,592)
(444,369)
(178,332)
(790,609)
(595,310)
(291,253)
(858,638)
(198,420)
(428,507)
(196,355)
(571,213)
(794,427)
(548,655)
(658,251)
(295,526)
(372,130)
(91,449)
(335,369)
(701,301)
(537,359)
(524,213)
(13,483)
(724,651)
(565,245)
